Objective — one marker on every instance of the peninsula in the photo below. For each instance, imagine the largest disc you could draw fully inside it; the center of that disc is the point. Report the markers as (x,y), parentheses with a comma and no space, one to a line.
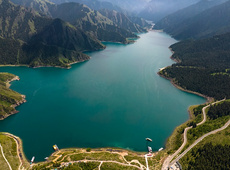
(9,99)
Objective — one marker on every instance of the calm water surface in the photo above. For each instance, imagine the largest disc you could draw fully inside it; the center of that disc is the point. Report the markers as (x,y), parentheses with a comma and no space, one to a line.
(115,99)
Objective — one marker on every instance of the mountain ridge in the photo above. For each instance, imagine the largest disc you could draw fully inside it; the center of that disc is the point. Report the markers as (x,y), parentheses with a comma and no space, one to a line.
(207,23)
(24,39)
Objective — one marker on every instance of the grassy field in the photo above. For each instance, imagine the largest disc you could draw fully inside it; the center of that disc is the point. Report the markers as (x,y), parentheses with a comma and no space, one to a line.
(114,166)
(112,158)
(80,158)
(10,152)
(176,139)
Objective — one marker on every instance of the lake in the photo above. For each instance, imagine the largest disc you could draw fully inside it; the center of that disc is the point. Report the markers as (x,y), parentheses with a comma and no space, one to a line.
(116,99)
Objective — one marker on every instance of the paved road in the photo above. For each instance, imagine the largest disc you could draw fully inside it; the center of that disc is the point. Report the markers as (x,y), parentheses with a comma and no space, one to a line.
(167,161)
(5,157)
(200,139)
(204,113)
(19,151)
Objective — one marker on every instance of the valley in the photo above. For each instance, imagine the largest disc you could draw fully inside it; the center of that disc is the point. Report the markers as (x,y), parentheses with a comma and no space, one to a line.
(114,93)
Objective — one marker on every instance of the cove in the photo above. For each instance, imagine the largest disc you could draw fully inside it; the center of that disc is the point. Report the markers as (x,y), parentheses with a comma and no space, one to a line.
(116,99)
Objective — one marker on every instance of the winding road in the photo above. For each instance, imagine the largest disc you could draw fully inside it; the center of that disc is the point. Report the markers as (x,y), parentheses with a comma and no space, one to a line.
(19,151)
(5,157)
(167,161)
(200,139)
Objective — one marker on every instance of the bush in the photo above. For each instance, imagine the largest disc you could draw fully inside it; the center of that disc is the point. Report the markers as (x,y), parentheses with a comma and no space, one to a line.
(88,149)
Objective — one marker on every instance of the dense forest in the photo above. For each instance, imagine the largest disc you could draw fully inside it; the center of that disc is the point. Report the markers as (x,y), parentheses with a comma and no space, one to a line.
(203,66)
(210,157)
(219,110)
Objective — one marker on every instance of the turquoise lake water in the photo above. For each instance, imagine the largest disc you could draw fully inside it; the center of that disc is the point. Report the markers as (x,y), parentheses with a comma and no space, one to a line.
(115,99)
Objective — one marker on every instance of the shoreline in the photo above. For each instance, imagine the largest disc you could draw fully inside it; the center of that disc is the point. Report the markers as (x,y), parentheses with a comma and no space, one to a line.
(20,151)
(18,103)
(41,66)
(171,80)
(209,99)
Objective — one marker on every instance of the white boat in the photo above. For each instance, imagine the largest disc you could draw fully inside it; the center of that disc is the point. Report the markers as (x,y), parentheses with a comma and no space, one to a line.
(148,139)
(160,149)
(32,160)
(150,149)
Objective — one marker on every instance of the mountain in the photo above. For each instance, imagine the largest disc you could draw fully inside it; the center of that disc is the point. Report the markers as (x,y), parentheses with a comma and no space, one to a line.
(158,9)
(91,21)
(93,4)
(83,17)
(18,22)
(60,44)
(213,21)
(30,39)
(64,35)
(170,23)
(121,20)
(131,6)
(140,21)
(41,6)
(203,66)
(109,6)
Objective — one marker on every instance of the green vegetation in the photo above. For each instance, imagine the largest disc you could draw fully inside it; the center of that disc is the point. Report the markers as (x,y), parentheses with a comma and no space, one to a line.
(10,152)
(88,149)
(121,20)
(104,27)
(213,148)
(35,40)
(176,139)
(200,59)
(131,157)
(208,126)
(210,157)
(8,97)
(97,156)
(183,24)
(92,22)
(29,37)
(108,158)
(82,165)
(114,166)
(219,110)
(216,149)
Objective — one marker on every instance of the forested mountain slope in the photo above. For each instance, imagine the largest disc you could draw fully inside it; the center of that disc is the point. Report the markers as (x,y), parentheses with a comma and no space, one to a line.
(25,35)
(204,66)
(93,4)
(91,21)
(155,10)
(122,21)
(213,21)
(41,6)
(81,16)
(173,23)
(18,22)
